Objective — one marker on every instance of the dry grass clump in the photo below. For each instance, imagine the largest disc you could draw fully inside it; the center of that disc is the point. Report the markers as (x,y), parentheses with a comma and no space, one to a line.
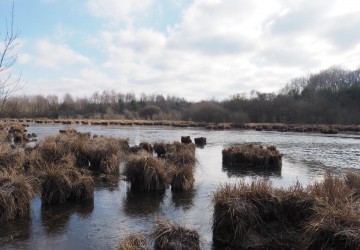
(182,178)
(18,133)
(4,136)
(186,139)
(61,184)
(325,215)
(200,141)
(257,216)
(16,193)
(160,148)
(11,157)
(169,235)
(252,155)
(146,172)
(104,155)
(334,227)
(335,223)
(99,154)
(180,154)
(133,242)
(147,147)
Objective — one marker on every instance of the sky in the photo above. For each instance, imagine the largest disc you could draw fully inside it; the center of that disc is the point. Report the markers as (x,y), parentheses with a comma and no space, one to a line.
(196,49)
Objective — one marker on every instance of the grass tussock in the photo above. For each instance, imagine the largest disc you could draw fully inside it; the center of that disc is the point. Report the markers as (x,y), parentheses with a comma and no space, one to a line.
(169,235)
(252,155)
(180,154)
(104,155)
(11,157)
(16,193)
(60,185)
(200,141)
(146,172)
(182,178)
(133,242)
(324,215)
(99,154)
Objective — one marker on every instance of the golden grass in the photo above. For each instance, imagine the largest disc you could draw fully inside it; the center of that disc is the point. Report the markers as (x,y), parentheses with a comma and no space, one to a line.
(180,154)
(324,215)
(133,242)
(169,235)
(252,155)
(16,193)
(182,178)
(99,154)
(146,172)
(104,155)
(11,157)
(62,184)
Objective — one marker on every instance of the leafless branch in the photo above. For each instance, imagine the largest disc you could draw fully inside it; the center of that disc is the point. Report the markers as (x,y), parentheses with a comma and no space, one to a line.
(9,82)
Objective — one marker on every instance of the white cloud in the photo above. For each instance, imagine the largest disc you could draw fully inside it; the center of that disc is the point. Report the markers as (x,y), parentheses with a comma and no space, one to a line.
(117,10)
(218,48)
(54,56)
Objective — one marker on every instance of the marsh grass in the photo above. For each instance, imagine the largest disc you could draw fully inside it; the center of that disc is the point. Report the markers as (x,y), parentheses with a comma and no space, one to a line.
(252,155)
(324,215)
(11,157)
(182,178)
(180,154)
(16,193)
(104,155)
(169,235)
(133,242)
(101,155)
(62,184)
(146,172)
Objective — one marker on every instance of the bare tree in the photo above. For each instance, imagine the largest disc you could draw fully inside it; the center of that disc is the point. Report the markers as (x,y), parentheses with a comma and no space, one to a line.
(9,82)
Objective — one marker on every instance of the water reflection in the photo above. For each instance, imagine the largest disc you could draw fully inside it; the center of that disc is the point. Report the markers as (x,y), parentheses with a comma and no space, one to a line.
(15,230)
(55,219)
(142,203)
(183,199)
(108,182)
(242,171)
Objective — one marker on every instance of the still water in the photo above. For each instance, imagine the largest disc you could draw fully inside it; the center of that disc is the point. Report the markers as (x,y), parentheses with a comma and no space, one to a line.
(116,212)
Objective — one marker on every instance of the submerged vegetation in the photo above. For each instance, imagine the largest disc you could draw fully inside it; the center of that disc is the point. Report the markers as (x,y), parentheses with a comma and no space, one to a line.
(255,215)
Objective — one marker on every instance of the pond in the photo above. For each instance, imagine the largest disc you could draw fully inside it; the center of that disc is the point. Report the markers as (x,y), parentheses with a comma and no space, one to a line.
(116,212)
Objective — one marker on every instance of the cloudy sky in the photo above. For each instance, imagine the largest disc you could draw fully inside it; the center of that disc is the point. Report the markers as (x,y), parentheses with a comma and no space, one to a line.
(197,49)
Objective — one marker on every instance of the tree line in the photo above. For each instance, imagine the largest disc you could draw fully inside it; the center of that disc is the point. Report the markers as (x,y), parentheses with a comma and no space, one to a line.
(331,96)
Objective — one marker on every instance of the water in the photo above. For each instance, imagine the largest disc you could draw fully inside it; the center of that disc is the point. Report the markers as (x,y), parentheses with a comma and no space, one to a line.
(116,212)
